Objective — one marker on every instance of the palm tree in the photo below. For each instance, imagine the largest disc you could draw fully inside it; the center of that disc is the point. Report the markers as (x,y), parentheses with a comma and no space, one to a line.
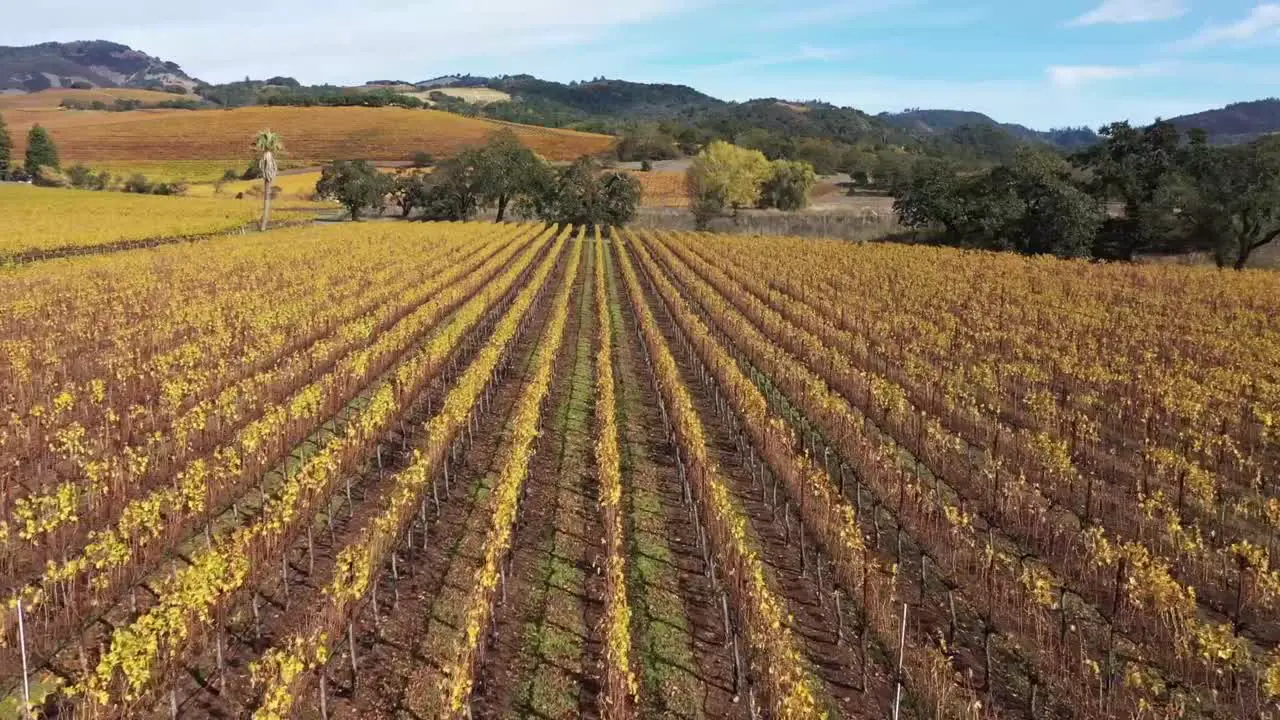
(267,146)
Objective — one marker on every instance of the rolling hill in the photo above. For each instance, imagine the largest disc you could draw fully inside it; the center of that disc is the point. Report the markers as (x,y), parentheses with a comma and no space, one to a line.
(1235,123)
(88,64)
(316,133)
(935,122)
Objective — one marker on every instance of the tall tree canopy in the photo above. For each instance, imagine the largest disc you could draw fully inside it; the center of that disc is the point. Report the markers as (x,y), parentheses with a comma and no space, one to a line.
(502,170)
(724,175)
(356,184)
(41,151)
(1138,167)
(1233,202)
(6,150)
(267,147)
(580,194)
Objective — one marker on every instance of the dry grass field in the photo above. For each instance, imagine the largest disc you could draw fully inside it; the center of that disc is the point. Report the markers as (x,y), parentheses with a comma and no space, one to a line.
(471,95)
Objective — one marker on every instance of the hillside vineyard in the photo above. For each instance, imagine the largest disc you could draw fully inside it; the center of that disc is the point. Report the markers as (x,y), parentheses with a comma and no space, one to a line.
(496,470)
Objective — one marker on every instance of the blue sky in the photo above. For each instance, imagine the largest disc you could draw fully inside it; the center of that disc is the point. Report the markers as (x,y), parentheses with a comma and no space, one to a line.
(1043,64)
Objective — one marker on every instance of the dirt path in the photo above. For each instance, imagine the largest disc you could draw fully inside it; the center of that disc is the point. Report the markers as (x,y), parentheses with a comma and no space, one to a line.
(777,529)
(545,662)
(678,634)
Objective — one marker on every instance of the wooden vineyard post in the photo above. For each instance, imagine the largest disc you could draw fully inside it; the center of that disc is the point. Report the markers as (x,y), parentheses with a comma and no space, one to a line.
(902,649)
(351,646)
(324,694)
(26,682)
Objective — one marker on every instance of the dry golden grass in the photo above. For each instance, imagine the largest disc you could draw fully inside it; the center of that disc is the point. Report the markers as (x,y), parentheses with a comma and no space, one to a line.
(191,171)
(294,189)
(44,219)
(51,99)
(316,133)
(471,95)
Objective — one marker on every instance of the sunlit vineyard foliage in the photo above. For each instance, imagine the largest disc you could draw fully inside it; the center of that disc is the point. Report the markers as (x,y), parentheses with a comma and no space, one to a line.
(41,219)
(317,472)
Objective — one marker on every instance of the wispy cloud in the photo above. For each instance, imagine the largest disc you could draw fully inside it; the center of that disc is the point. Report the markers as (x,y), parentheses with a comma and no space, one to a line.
(805,54)
(1076,76)
(1261,25)
(386,37)
(799,17)
(1115,12)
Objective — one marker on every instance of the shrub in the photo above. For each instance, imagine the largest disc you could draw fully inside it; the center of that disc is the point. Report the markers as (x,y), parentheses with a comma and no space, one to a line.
(138,183)
(788,187)
(49,177)
(79,176)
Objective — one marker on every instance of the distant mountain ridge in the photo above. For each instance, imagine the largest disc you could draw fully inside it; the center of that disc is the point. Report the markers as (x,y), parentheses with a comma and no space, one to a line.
(939,121)
(88,64)
(607,103)
(1236,123)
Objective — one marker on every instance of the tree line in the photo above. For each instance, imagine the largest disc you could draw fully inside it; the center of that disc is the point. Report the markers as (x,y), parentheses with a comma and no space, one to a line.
(42,165)
(725,178)
(503,175)
(1152,190)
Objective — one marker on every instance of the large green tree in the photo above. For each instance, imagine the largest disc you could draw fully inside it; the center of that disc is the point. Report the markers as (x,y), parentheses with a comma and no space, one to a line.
(267,147)
(356,184)
(1030,206)
(788,185)
(1139,167)
(1051,215)
(1233,204)
(447,194)
(502,169)
(934,197)
(724,175)
(41,151)
(6,150)
(580,194)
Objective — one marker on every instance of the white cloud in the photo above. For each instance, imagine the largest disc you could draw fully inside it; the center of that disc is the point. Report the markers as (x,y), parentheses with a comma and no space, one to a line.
(1074,76)
(1131,11)
(1262,24)
(799,17)
(324,41)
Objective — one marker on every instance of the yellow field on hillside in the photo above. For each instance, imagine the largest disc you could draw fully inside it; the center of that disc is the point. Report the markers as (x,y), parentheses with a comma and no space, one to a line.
(314,133)
(191,171)
(45,219)
(471,95)
(294,188)
(51,99)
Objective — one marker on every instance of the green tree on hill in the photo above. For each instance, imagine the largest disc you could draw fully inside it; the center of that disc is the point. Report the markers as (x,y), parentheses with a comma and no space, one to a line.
(6,150)
(41,152)
(789,185)
(724,175)
(1233,205)
(356,184)
(267,146)
(580,194)
(502,169)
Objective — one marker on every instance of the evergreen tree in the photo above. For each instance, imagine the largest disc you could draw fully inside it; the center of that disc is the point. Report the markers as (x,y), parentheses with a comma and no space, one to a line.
(6,150)
(41,152)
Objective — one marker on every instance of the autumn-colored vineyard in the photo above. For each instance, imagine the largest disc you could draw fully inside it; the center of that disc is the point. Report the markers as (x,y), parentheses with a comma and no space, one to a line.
(315,134)
(492,470)
(34,220)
